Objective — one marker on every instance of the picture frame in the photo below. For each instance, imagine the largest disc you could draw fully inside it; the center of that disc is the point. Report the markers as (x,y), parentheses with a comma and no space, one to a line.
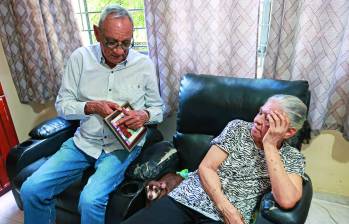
(128,138)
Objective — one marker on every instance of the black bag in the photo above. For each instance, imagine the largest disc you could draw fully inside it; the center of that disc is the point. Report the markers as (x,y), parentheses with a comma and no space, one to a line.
(154,162)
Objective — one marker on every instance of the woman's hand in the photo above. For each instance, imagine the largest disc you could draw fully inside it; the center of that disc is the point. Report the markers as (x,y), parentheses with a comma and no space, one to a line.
(230,214)
(279,123)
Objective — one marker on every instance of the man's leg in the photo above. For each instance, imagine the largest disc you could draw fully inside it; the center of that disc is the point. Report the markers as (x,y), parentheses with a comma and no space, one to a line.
(163,210)
(56,174)
(110,170)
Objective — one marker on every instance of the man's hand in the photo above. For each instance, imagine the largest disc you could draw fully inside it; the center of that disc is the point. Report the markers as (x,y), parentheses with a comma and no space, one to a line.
(101,107)
(279,123)
(230,214)
(133,119)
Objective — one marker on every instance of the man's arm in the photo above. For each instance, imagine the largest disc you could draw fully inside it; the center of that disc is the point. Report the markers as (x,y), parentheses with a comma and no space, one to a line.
(212,185)
(153,102)
(67,103)
(286,188)
(152,112)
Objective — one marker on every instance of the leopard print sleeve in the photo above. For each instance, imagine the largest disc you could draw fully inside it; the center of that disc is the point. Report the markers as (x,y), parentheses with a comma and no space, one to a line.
(294,161)
(228,136)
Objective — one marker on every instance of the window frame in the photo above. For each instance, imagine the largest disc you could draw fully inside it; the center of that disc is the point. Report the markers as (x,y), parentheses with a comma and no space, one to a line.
(84,19)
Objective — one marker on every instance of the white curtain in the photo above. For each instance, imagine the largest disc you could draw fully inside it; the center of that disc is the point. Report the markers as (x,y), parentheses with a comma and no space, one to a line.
(309,40)
(38,37)
(200,36)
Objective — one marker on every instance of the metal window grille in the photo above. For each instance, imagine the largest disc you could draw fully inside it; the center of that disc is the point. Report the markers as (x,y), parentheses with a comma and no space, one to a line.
(263,33)
(88,11)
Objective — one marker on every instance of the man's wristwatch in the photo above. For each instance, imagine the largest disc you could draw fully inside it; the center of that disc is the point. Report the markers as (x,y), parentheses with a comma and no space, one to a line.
(148,115)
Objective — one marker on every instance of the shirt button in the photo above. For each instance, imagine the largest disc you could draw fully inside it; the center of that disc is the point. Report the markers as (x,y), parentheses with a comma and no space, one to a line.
(109,90)
(112,72)
(105,136)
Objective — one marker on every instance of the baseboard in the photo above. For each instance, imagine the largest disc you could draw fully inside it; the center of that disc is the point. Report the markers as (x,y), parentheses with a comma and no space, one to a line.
(344,200)
(5,189)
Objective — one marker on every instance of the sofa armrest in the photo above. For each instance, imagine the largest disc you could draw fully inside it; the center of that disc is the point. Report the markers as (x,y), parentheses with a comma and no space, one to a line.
(50,136)
(270,211)
(51,127)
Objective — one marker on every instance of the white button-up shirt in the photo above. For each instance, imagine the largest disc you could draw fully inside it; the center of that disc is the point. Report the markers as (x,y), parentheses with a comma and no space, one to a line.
(86,79)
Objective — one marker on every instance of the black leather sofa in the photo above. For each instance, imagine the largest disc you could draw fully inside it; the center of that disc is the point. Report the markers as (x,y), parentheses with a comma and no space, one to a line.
(45,140)
(206,104)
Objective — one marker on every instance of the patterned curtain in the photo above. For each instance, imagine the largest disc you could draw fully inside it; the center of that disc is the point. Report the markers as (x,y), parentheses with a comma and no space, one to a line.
(200,36)
(38,36)
(309,40)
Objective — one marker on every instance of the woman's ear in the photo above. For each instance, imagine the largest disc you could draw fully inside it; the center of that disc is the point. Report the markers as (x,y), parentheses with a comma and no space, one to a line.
(290,133)
(97,33)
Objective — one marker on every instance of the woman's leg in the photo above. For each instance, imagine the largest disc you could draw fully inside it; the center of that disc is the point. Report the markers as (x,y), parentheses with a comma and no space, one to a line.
(164,210)
(201,219)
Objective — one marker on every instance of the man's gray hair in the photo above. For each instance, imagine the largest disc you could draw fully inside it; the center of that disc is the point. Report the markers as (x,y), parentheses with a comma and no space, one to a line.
(114,9)
(293,107)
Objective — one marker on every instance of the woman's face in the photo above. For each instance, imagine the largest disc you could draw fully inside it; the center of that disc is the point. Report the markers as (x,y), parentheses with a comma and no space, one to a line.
(261,123)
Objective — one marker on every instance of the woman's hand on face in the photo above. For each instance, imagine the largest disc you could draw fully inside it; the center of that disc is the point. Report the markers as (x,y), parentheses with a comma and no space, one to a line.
(278,125)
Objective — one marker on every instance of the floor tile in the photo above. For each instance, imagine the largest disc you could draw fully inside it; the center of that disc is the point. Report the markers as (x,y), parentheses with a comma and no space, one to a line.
(327,212)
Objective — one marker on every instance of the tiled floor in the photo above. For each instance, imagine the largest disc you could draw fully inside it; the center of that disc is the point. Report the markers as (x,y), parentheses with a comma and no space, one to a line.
(322,211)
(9,212)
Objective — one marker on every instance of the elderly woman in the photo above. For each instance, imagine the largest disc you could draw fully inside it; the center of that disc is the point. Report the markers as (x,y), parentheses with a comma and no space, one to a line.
(244,161)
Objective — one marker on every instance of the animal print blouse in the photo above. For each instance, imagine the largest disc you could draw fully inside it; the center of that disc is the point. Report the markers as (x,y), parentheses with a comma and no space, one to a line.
(243,175)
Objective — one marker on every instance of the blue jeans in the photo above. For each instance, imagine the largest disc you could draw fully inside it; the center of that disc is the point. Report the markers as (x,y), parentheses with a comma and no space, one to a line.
(65,167)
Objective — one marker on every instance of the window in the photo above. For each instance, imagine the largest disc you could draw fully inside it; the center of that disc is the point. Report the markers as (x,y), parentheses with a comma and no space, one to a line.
(263,31)
(88,11)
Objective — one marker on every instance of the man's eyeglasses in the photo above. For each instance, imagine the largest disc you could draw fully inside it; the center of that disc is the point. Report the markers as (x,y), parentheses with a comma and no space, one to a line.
(112,44)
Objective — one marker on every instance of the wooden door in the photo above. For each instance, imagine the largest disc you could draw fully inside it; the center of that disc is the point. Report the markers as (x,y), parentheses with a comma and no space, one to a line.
(8,139)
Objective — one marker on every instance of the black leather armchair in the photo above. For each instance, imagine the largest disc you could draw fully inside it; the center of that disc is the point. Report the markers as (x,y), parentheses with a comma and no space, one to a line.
(45,140)
(207,103)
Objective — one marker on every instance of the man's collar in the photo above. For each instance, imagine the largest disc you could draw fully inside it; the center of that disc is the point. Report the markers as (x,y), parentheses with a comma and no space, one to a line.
(104,63)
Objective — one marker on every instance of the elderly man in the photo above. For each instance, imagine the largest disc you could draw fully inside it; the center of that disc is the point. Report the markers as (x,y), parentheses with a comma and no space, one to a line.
(98,79)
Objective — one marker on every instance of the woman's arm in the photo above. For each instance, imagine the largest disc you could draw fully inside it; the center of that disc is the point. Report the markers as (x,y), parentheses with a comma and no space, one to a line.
(211,183)
(286,188)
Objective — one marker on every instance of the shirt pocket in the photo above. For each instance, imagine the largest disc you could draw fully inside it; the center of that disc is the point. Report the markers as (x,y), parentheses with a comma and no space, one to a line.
(134,94)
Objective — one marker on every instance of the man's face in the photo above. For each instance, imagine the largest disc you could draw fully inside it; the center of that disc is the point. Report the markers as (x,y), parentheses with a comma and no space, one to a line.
(261,123)
(116,31)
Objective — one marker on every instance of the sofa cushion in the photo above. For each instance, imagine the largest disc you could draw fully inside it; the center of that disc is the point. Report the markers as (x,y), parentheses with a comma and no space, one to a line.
(207,103)
(192,148)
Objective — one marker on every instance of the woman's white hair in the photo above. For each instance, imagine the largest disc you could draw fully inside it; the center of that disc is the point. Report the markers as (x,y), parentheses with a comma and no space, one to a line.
(293,107)
(118,10)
